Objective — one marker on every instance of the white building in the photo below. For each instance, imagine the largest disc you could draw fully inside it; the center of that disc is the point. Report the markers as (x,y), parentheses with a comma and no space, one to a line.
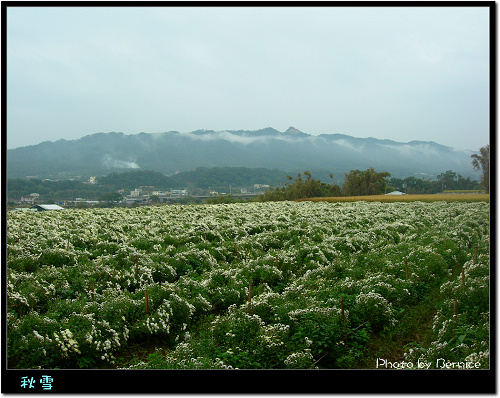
(395,193)
(179,192)
(30,198)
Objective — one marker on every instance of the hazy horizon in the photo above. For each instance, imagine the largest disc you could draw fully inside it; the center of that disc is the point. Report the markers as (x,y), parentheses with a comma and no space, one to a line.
(398,73)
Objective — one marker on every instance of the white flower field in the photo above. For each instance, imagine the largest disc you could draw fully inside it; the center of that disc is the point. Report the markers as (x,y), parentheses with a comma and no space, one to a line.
(271,285)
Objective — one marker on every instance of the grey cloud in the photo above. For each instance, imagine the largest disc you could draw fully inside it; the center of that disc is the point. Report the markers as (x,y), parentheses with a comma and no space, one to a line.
(110,162)
(347,144)
(242,138)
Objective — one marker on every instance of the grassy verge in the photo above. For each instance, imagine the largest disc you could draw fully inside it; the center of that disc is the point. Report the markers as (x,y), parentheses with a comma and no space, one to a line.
(405,198)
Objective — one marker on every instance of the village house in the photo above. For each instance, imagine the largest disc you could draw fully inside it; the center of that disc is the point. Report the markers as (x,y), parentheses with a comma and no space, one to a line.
(30,199)
(179,193)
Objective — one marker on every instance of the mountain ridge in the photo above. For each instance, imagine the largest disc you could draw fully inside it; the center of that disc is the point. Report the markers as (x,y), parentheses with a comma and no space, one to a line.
(292,150)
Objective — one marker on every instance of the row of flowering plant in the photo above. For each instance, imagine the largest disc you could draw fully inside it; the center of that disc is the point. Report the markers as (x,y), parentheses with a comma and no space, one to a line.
(461,325)
(252,285)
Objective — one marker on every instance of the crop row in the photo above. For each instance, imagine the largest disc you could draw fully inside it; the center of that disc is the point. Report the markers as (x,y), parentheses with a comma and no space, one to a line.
(256,285)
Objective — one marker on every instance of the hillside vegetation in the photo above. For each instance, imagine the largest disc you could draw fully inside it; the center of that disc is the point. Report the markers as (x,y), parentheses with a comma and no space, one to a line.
(293,151)
(217,178)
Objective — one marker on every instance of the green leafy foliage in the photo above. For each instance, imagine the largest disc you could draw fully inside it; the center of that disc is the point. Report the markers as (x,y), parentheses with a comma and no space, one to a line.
(252,286)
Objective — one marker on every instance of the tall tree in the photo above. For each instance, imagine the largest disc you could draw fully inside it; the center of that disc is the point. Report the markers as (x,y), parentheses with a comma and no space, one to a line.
(482,162)
(448,180)
(367,182)
(308,188)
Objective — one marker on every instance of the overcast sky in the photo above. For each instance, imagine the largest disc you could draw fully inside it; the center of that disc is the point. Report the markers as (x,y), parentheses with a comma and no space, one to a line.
(394,73)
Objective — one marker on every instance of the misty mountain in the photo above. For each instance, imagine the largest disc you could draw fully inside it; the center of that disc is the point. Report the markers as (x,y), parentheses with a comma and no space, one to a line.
(291,151)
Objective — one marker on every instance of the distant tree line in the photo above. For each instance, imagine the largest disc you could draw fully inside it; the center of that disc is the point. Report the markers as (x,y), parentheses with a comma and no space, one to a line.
(222,177)
(53,190)
(137,178)
(448,181)
(356,182)
(368,182)
(201,177)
